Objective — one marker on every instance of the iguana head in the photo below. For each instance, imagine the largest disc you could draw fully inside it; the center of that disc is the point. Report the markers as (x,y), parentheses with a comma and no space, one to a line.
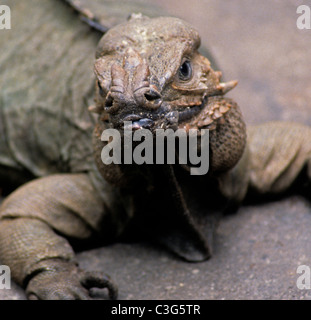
(149,72)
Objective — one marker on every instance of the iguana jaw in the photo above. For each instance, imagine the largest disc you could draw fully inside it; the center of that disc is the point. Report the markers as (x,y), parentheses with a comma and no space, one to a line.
(211,113)
(207,115)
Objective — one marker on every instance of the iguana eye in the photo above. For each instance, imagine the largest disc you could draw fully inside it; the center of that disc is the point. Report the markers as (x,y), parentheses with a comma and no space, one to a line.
(185,71)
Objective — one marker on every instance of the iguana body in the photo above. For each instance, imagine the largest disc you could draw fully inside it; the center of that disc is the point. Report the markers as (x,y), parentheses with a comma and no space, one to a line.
(47,134)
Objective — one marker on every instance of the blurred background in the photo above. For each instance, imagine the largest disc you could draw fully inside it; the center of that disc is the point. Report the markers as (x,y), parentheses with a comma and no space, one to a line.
(258,43)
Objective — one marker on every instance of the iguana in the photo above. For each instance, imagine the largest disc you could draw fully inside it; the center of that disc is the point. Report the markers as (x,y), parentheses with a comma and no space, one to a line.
(145,69)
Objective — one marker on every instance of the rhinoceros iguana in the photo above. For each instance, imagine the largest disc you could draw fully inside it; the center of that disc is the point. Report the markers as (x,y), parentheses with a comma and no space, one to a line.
(148,71)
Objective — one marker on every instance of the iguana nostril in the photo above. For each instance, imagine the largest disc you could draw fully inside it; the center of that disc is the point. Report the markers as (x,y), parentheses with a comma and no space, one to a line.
(152,95)
(154,99)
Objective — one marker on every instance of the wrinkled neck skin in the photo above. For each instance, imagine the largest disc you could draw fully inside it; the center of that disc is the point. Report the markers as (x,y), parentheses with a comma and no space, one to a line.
(149,72)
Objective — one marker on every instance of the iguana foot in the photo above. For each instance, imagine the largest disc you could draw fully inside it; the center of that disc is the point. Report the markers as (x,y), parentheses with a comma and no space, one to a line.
(65,281)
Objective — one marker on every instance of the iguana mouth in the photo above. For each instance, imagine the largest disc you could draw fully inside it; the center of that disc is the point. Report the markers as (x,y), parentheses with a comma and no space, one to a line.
(190,112)
(210,116)
(163,118)
(207,115)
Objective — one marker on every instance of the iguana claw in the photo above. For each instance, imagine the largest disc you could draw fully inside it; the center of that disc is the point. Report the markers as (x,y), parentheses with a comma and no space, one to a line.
(96,279)
(68,283)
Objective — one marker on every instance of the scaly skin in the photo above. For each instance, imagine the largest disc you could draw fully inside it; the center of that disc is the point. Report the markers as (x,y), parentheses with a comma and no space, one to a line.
(70,201)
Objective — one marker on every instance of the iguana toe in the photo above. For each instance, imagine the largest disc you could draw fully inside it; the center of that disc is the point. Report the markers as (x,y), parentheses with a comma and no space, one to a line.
(68,283)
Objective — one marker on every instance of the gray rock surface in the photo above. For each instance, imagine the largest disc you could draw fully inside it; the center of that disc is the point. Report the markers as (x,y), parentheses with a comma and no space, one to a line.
(259,248)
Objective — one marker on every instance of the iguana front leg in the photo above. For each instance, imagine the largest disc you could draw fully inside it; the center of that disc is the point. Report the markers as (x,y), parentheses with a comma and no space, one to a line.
(276,154)
(33,221)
